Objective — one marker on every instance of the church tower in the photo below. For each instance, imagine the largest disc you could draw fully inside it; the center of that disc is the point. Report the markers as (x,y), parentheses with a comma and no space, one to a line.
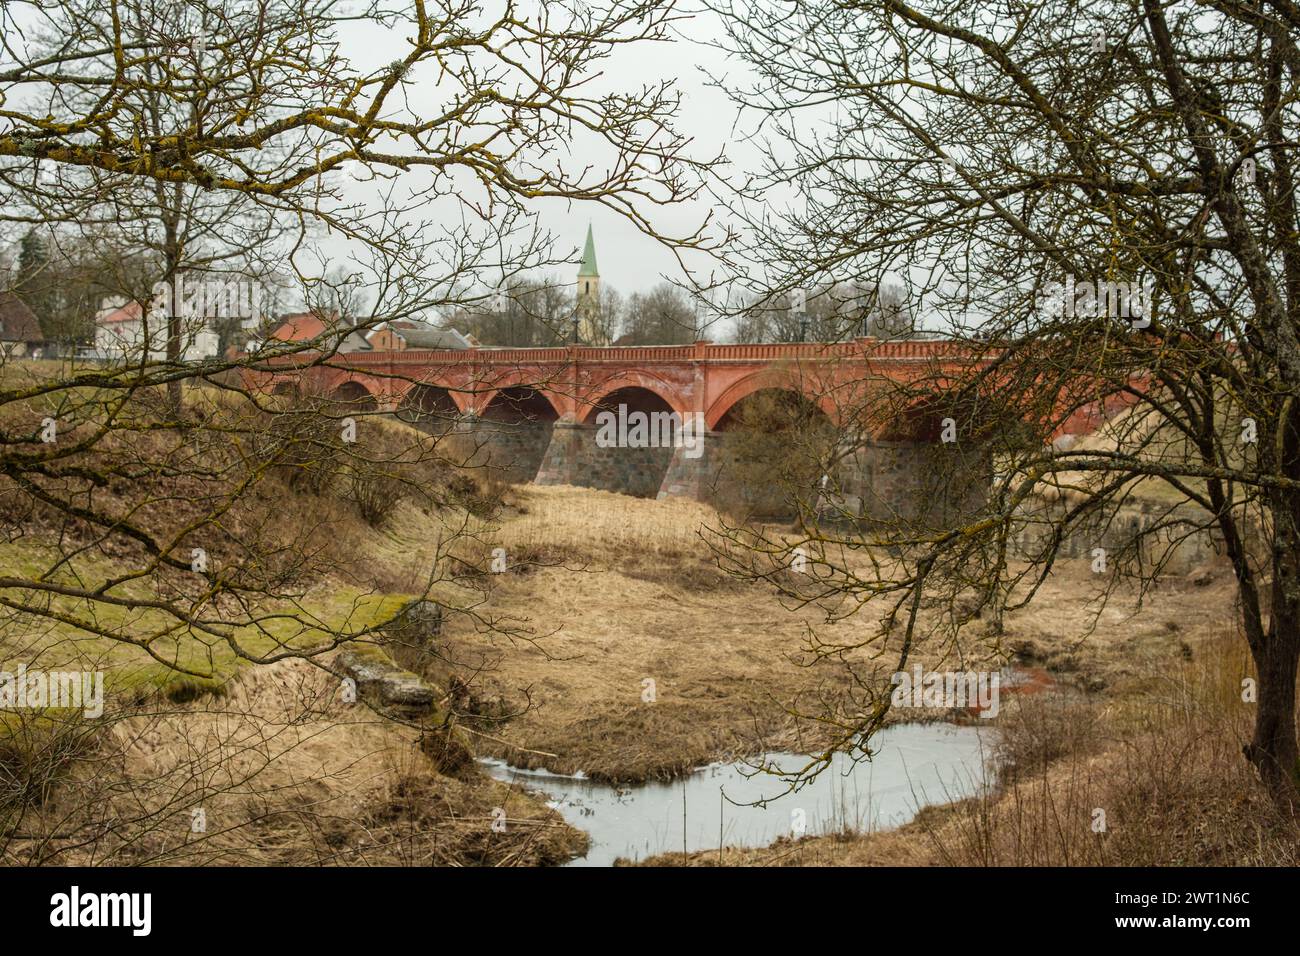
(588,300)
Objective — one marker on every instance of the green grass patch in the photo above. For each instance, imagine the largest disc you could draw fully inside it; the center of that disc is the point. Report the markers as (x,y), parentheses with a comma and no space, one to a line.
(146,649)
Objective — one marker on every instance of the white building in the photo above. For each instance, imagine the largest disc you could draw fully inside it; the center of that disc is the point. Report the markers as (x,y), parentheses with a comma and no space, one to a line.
(120,334)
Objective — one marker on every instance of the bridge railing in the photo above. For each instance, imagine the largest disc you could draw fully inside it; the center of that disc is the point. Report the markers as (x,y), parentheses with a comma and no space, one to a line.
(872,349)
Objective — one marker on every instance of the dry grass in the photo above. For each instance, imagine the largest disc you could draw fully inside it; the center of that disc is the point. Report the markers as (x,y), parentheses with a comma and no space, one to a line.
(724,664)
(590,530)
(619,591)
(1162,763)
(1140,431)
(608,525)
(285,774)
(612,587)
(1115,646)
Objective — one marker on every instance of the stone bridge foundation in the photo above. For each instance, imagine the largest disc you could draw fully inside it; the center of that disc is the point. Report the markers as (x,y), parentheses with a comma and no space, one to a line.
(507,451)
(925,483)
(879,482)
(574,458)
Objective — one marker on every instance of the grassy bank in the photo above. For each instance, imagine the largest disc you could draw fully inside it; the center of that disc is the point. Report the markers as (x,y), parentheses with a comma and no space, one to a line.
(623,590)
(203,755)
(1151,775)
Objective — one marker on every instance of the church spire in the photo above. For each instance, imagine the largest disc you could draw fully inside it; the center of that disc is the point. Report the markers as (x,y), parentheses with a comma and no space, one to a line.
(588,304)
(588,267)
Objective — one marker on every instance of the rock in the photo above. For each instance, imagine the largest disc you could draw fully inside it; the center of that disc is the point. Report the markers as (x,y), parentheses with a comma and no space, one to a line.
(367,666)
(384,684)
(419,623)
(407,691)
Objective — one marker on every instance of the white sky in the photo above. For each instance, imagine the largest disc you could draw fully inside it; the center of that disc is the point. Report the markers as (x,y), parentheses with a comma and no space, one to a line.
(628,259)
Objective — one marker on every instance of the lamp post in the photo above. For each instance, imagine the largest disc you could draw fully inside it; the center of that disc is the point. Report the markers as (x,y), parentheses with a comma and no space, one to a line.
(799,306)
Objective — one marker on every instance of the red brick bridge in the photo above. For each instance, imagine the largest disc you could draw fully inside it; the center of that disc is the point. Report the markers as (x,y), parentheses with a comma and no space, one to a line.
(533,411)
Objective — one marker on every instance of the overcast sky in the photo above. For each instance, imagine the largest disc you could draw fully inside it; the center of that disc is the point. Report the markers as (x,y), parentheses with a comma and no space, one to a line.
(628,260)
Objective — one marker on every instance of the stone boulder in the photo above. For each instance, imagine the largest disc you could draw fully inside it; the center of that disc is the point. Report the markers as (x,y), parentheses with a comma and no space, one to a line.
(417,624)
(385,685)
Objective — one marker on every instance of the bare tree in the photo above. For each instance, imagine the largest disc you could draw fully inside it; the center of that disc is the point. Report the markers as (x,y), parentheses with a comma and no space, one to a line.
(836,313)
(661,316)
(525,312)
(1097,204)
(174,509)
(608,316)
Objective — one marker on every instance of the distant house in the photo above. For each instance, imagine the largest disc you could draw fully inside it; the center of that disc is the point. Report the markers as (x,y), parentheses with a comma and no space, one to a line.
(118,327)
(313,328)
(120,332)
(386,338)
(20,332)
(401,334)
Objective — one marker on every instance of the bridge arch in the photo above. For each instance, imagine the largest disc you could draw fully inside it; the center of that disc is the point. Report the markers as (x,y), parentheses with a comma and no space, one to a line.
(636,398)
(482,389)
(776,452)
(760,381)
(634,455)
(428,406)
(355,395)
(644,389)
(921,419)
(774,408)
(512,432)
(517,404)
(920,422)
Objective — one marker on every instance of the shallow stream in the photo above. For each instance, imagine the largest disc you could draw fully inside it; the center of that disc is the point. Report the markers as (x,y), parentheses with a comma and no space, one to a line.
(917,765)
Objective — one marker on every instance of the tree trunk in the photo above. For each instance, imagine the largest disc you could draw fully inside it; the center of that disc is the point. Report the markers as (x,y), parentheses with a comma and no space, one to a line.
(175,394)
(1273,750)
(174,388)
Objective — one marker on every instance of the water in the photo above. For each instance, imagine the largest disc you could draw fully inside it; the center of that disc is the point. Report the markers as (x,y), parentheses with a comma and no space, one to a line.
(917,765)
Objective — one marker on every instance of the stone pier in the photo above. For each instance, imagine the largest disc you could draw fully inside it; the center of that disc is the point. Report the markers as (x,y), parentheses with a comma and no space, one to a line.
(509,451)
(879,482)
(925,483)
(574,458)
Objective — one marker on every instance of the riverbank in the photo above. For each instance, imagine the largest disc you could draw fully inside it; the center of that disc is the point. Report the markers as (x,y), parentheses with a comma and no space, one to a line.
(751,804)
(609,643)
(1134,708)
(622,592)
(1150,777)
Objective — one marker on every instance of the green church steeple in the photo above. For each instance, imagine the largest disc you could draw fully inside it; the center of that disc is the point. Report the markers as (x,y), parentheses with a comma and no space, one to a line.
(588,296)
(588,267)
